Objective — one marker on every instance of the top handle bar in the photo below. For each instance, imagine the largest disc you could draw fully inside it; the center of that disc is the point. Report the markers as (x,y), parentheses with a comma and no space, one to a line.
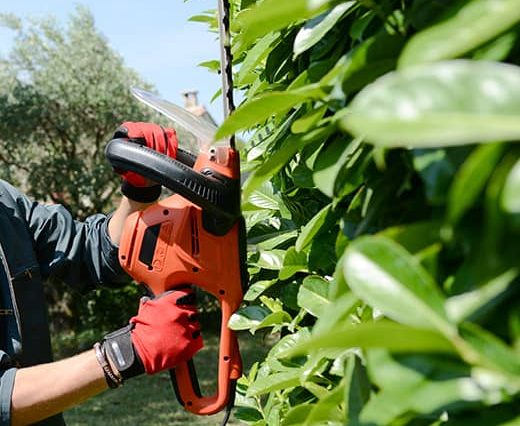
(214,193)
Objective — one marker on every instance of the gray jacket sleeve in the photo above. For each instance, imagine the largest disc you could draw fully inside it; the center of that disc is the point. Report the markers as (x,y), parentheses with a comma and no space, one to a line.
(78,253)
(7,374)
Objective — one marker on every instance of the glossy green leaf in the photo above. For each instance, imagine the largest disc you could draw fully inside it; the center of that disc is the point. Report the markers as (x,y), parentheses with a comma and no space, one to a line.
(248,317)
(492,352)
(425,397)
(357,388)
(254,56)
(473,304)
(274,163)
(510,199)
(315,29)
(388,278)
(258,288)
(329,410)
(380,334)
(309,120)
(371,59)
(293,262)
(273,319)
(332,159)
(310,230)
(338,312)
(272,259)
(313,295)
(414,237)
(273,15)
(288,342)
(470,180)
(257,110)
(275,382)
(296,415)
(440,104)
(469,27)
(265,197)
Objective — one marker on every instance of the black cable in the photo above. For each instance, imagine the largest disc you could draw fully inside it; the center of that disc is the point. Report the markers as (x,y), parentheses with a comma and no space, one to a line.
(231,402)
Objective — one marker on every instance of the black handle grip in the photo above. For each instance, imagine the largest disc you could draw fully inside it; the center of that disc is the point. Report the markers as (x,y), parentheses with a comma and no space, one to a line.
(215,194)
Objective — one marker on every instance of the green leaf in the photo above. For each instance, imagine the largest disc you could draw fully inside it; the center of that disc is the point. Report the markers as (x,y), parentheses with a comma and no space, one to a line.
(257,289)
(328,410)
(254,56)
(274,163)
(310,230)
(510,199)
(332,159)
(259,109)
(381,334)
(313,295)
(373,58)
(293,262)
(315,29)
(273,319)
(289,341)
(471,179)
(274,382)
(273,240)
(272,259)
(388,278)
(414,237)
(357,388)
(470,26)
(213,65)
(309,120)
(265,197)
(248,317)
(297,415)
(424,397)
(338,312)
(474,303)
(273,15)
(492,352)
(440,104)
(247,414)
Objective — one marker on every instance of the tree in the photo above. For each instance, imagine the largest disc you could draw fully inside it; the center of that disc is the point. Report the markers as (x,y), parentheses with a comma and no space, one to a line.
(62,94)
(382,210)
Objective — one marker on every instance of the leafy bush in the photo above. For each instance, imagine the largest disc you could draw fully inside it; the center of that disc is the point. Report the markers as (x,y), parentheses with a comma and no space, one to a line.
(382,208)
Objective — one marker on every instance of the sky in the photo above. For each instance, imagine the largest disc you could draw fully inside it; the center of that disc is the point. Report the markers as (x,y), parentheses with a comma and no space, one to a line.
(154,37)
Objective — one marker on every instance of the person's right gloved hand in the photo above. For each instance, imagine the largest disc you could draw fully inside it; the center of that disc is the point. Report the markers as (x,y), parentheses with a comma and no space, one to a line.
(163,334)
(162,140)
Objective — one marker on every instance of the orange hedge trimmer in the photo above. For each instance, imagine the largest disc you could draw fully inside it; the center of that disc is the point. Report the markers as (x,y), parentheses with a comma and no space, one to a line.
(196,236)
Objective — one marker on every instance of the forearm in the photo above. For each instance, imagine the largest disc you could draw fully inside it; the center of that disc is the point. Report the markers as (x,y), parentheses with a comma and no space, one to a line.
(44,390)
(117,221)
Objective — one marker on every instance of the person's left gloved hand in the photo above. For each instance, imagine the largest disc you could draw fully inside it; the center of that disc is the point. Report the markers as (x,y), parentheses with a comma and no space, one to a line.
(164,333)
(161,139)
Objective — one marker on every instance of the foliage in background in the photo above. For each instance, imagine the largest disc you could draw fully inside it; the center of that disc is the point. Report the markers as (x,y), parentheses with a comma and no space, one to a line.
(62,94)
(383,209)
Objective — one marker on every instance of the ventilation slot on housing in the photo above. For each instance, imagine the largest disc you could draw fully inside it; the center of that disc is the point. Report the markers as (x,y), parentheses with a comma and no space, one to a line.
(194,237)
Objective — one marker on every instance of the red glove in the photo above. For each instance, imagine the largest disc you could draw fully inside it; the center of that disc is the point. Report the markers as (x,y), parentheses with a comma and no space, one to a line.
(161,139)
(166,332)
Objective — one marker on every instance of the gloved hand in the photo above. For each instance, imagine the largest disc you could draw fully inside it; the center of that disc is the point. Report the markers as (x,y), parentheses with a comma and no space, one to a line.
(158,138)
(163,334)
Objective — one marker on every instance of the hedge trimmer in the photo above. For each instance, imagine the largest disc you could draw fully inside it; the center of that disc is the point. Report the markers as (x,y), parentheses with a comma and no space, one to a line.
(197,235)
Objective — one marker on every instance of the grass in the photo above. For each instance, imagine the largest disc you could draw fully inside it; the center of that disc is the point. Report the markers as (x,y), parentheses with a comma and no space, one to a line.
(150,400)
